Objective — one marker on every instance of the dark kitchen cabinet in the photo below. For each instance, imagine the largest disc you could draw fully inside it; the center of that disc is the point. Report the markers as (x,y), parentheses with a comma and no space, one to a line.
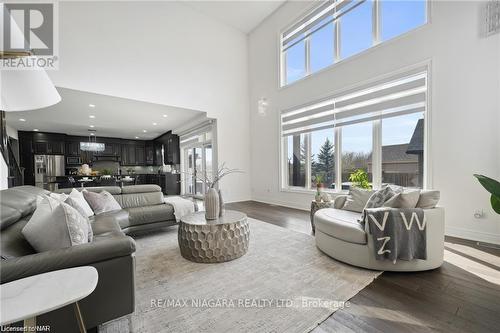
(173,184)
(140,155)
(108,149)
(40,148)
(172,150)
(128,154)
(73,148)
(154,155)
(111,148)
(55,147)
(48,143)
(26,159)
(133,153)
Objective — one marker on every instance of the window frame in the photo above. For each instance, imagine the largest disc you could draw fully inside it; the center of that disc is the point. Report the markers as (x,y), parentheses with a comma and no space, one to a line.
(376,42)
(376,143)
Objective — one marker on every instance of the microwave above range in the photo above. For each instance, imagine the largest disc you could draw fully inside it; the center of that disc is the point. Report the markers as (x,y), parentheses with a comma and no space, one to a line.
(73,160)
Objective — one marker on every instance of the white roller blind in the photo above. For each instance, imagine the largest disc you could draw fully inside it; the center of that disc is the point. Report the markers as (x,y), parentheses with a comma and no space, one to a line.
(391,97)
(325,13)
(193,135)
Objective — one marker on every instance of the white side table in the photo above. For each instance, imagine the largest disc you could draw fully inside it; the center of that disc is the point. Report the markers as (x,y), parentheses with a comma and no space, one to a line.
(24,299)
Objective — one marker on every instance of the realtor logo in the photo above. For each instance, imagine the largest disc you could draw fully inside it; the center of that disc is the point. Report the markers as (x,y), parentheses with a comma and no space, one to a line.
(29,29)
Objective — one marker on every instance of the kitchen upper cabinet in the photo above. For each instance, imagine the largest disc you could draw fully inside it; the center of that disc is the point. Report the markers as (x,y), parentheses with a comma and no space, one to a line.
(172,150)
(128,154)
(48,143)
(73,148)
(154,155)
(140,158)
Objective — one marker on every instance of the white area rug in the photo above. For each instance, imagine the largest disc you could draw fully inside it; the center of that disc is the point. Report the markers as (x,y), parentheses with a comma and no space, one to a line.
(283,284)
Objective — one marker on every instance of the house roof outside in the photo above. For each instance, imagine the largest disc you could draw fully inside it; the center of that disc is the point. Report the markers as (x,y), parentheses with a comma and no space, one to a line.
(416,145)
(396,153)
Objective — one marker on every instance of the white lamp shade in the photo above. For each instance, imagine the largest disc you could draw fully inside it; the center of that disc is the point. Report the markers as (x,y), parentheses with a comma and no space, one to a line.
(23,90)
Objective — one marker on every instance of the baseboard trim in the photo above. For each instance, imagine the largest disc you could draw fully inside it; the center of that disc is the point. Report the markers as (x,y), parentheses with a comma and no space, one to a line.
(472,235)
(280,203)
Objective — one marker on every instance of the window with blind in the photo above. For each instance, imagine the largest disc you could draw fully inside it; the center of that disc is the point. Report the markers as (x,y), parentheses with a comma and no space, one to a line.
(377,127)
(338,29)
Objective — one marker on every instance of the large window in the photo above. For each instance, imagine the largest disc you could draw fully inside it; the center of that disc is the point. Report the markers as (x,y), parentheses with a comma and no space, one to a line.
(336,30)
(378,128)
(296,160)
(357,145)
(323,157)
(403,150)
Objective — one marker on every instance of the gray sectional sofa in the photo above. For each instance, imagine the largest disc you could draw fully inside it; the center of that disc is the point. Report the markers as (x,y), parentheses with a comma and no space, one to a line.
(143,204)
(111,252)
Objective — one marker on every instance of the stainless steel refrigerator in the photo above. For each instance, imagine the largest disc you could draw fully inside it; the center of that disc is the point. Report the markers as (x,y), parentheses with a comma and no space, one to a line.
(47,169)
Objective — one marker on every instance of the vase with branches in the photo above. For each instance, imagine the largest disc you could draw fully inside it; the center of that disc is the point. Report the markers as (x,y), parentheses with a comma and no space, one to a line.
(214,204)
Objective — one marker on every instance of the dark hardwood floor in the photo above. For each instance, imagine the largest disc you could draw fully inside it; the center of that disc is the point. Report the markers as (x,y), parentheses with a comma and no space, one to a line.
(463,295)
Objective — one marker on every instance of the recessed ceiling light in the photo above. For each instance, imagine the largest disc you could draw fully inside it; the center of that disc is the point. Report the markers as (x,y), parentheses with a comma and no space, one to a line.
(91,126)
(91,116)
(154,124)
(35,129)
(144,131)
(92,105)
(22,119)
(137,137)
(165,116)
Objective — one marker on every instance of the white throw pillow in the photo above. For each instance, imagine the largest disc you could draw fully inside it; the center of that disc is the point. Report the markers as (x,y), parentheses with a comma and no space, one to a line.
(357,199)
(80,200)
(404,200)
(73,203)
(428,199)
(101,202)
(59,196)
(55,225)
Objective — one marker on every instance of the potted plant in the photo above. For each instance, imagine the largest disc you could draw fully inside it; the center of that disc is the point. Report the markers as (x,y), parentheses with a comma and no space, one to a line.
(492,186)
(359,178)
(106,173)
(318,179)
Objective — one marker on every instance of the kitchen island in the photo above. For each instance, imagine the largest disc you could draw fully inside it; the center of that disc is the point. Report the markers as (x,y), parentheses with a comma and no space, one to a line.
(169,182)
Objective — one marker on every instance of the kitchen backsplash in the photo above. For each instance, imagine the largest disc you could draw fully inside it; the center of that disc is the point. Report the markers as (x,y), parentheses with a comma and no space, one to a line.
(149,169)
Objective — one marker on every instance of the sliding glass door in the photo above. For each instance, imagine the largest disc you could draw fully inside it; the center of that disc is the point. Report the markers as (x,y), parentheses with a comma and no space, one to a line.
(198,164)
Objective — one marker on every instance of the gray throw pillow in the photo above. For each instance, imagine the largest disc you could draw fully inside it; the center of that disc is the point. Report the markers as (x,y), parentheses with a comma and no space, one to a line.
(380,197)
(357,199)
(404,200)
(428,199)
(55,225)
(339,201)
(73,203)
(101,202)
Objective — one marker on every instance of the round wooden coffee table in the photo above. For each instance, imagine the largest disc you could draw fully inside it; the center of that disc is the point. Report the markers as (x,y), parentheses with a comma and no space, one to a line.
(211,241)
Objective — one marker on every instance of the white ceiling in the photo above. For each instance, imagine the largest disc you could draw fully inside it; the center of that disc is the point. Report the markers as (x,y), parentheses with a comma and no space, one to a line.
(114,117)
(242,15)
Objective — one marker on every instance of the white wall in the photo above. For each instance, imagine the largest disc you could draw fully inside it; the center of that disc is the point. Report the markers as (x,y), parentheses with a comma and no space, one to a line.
(464,113)
(166,53)
(4,173)
(12,132)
